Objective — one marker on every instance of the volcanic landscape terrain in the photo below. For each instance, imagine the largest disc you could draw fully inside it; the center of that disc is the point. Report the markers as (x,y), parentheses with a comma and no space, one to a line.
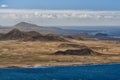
(31,48)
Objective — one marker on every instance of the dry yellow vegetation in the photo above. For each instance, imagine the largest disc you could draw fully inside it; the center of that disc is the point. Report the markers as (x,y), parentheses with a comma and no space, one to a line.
(32,53)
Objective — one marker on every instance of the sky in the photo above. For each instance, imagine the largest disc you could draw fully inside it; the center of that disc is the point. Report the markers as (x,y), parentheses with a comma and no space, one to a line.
(62,4)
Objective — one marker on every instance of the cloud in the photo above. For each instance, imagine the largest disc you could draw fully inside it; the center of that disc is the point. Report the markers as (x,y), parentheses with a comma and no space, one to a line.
(60,14)
(3,6)
(60,17)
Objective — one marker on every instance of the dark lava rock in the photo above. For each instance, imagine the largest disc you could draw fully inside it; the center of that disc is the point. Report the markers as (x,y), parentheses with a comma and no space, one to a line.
(71,45)
(83,51)
(101,35)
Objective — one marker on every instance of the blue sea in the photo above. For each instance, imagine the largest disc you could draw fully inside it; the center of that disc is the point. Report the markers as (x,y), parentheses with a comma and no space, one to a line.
(110,30)
(75,72)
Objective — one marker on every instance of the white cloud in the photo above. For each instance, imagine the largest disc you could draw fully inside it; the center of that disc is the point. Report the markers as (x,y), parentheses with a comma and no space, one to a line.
(3,6)
(60,17)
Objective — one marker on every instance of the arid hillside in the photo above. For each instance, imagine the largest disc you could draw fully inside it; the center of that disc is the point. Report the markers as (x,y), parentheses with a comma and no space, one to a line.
(34,53)
(30,48)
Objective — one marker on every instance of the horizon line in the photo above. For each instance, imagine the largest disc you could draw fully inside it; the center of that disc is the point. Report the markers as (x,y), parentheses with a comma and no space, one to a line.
(57,9)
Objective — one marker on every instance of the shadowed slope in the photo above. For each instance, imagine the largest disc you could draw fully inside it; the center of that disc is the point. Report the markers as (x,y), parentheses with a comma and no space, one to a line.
(16,34)
(83,51)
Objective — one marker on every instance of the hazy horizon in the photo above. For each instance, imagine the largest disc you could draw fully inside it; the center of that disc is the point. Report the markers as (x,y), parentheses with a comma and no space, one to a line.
(60,17)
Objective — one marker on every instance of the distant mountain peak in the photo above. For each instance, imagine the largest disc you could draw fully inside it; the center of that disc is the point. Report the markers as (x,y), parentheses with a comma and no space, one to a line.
(26,24)
(21,23)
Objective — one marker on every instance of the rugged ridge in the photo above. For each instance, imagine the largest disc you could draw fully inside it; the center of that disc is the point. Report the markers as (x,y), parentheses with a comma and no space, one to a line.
(83,51)
(17,34)
(14,34)
(26,26)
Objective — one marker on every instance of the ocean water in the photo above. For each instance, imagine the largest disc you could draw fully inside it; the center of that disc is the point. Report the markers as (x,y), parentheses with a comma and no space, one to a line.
(76,72)
(110,30)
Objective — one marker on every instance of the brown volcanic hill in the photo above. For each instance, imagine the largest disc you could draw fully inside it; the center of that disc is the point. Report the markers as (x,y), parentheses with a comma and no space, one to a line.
(16,34)
(83,51)
(25,26)
(54,37)
(34,33)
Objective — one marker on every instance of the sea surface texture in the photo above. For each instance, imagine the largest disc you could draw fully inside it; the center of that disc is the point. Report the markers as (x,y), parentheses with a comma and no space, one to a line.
(76,72)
